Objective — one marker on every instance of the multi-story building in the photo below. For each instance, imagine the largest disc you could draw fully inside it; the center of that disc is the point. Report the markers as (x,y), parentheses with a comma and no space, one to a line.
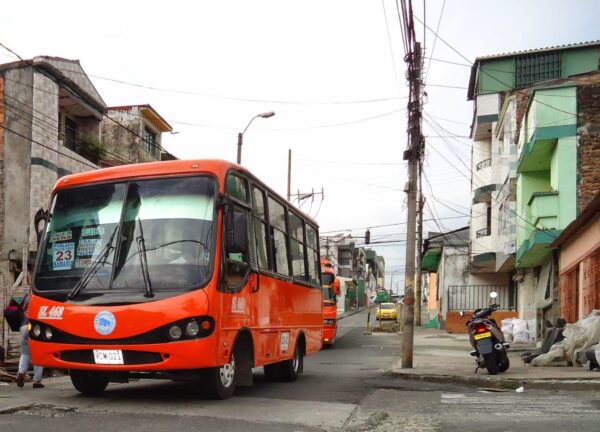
(533,165)
(133,134)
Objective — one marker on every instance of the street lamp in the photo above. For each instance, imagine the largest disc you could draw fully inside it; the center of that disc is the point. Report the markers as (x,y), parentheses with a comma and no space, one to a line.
(241,134)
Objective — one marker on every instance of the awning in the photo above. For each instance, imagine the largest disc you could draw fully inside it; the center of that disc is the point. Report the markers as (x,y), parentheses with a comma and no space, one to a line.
(431,260)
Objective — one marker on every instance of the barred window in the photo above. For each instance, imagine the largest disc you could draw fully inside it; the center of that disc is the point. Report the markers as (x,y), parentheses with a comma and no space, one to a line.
(534,68)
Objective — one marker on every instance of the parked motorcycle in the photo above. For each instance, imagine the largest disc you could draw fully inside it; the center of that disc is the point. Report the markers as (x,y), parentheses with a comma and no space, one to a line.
(488,340)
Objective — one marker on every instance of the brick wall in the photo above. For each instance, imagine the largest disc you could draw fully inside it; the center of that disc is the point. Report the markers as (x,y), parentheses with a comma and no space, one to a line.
(458,324)
(588,130)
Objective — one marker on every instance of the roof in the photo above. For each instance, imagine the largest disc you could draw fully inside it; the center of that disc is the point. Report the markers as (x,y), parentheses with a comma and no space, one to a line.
(146,109)
(472,79)
(589,213)
(67,73)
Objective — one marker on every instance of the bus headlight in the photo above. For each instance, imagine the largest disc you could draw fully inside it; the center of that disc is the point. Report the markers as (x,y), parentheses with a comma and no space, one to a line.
(48,333)
(192,328)
(175,332)
(36,331)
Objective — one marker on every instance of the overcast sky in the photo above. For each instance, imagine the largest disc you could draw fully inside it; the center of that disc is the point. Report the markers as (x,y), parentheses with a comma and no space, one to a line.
(333,72)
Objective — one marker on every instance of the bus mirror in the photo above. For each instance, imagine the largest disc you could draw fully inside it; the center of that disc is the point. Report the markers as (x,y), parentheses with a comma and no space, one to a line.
(40,216)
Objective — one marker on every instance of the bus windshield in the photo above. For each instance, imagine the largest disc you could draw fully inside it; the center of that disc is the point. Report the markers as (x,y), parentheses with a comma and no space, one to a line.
(145,236)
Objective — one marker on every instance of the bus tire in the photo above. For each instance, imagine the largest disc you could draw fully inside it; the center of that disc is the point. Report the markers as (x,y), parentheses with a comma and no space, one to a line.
(290,369)
(89,383)
(221,381)
(272,372)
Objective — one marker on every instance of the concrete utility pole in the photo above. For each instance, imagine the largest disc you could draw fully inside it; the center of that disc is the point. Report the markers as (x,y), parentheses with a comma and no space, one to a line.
(418,279)
(413,156)
(289,192)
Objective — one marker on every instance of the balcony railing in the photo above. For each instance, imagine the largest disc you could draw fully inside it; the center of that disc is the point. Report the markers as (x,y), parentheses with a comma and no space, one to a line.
(484,232)
(483,164)
(471,297)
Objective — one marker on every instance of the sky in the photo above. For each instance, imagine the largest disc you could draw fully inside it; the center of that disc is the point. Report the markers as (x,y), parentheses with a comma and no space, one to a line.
(331,70)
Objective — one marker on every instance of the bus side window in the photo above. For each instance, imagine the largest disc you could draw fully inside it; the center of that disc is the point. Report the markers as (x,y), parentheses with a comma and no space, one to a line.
(236,253)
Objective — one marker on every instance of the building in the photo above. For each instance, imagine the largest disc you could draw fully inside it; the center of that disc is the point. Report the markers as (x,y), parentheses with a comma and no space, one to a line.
(53,122)
(453,288)
(534,165)
(579,264)
(133,134)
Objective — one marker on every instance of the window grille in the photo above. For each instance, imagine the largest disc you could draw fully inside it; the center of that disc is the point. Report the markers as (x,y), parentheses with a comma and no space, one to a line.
(534,68)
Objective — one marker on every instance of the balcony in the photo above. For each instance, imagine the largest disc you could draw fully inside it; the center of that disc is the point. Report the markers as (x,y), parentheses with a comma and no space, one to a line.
(534,250)
(484,193)
(544,209)
(484,232)
(483,164)
(536,154)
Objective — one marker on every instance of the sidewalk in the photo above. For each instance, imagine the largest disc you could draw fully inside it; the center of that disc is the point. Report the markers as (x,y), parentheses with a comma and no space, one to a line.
(443,357)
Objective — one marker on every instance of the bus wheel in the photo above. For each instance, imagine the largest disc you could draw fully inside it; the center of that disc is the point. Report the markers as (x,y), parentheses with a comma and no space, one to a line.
(89,383)
(221,380)
(289,369)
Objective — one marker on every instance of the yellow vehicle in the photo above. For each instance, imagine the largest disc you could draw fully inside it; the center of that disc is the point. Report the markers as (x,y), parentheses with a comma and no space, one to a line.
(387,311)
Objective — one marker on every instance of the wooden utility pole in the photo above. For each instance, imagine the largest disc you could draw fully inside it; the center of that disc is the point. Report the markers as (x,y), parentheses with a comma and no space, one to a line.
(413,156)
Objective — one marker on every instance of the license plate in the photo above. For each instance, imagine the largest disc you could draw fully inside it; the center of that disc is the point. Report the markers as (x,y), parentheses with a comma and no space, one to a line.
(108,356)
(482,336)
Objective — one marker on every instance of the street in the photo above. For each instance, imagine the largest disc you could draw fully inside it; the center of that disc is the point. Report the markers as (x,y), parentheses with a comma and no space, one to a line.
(344,388)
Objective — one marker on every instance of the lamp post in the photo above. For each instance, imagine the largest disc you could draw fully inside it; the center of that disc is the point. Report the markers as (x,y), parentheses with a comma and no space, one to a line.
(241,134)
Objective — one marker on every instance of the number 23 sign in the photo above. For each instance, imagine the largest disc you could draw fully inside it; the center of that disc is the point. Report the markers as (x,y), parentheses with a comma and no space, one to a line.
(63,256)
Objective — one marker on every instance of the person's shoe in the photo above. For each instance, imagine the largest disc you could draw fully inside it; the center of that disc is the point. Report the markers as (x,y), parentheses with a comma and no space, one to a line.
(20,379)
(38,384)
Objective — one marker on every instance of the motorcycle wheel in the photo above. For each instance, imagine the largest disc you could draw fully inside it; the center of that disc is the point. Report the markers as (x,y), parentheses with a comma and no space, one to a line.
(504,362)
(491,364)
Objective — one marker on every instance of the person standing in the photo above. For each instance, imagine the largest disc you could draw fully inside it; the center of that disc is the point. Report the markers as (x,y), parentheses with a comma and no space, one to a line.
(25,356)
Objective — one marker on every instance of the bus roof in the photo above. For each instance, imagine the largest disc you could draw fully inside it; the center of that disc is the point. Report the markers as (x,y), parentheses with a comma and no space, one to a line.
(219,168)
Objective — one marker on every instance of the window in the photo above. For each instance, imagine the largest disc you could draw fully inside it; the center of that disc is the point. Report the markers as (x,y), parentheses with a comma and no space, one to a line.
(237,188)
(534,68)
(296,232)
(149,142)
(312,246)
(71,134)
(237,258)
(345,257)
(279,245)
(260,228)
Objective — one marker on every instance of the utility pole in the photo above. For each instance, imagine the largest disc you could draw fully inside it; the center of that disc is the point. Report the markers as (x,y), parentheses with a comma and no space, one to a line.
(413,156)
(289,195)
(418,279)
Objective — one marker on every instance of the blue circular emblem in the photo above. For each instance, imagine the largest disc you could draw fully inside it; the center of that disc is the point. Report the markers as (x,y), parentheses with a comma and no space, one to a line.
(105,322)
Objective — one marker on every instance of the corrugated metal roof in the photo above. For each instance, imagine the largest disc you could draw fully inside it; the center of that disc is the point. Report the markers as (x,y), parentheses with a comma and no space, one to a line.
(537,50)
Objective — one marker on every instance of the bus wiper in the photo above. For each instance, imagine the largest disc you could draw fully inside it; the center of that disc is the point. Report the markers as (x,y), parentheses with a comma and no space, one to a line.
(141,243)
(93,269)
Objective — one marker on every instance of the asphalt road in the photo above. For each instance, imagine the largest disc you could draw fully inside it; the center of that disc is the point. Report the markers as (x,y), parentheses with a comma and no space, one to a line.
(344,388)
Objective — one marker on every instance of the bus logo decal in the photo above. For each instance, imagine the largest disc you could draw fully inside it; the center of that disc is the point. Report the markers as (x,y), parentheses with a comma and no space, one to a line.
(105,322)
(54,312)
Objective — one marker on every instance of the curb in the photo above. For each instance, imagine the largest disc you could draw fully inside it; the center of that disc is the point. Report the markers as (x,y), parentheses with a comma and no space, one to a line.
(350,313)
(508,383)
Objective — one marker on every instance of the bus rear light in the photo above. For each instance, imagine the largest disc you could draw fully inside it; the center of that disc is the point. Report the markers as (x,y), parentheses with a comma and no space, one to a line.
(206,325)
(175,332)
(192,328)
(329,321)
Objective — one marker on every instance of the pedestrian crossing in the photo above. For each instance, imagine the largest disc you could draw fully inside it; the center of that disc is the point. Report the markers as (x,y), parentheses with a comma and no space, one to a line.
(521,404)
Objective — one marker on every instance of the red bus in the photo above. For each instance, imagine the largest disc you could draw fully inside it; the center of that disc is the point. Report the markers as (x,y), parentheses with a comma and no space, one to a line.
(184,270)
(331,289)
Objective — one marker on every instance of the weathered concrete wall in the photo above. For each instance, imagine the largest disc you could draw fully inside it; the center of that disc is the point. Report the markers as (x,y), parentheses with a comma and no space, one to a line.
(17,156)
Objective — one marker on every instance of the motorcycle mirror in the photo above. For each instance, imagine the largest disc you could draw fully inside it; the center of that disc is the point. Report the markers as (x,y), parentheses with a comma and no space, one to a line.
(493,294)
